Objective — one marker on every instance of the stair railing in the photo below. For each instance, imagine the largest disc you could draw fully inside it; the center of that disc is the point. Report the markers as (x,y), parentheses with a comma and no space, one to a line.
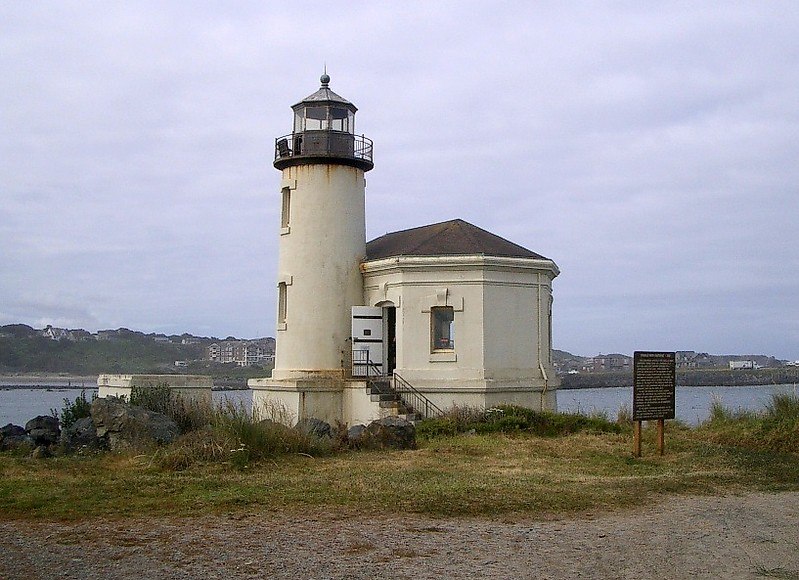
(415,400)
(363,366)
(412,399)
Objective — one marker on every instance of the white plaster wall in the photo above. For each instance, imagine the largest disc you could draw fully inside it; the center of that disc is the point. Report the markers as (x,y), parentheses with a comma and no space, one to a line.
(289,400)
(501,326)
(319,259)
(106,391)
(358,405)
(276,405)
(511,330)
(190,387)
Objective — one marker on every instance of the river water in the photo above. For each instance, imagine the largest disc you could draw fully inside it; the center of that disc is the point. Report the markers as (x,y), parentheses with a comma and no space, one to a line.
(19,404)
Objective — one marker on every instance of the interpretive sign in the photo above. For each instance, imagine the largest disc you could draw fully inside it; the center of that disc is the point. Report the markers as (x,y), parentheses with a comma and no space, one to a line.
(654,381)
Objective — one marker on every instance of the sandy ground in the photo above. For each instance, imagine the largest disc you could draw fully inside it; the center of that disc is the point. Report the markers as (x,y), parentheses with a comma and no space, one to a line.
(749,536)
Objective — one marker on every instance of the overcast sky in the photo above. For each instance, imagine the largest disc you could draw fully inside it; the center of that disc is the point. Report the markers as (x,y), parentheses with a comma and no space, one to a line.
(650,148)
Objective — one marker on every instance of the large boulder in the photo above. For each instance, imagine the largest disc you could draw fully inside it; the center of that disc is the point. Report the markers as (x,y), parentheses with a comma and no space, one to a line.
(122,426)
(355,433)
(43,430)
(82,434)
(12,436)
(390,433)
(315,427)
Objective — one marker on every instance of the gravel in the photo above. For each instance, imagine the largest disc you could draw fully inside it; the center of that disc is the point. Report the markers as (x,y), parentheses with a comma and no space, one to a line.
(746,536)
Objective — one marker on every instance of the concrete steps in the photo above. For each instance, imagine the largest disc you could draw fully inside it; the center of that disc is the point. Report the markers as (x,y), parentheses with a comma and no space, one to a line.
(381,392)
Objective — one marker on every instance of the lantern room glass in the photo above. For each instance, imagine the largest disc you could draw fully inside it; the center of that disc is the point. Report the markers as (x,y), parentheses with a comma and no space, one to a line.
(323,118)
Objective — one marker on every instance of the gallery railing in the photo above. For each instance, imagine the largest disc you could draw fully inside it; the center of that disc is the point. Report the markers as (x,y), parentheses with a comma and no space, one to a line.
(338,144)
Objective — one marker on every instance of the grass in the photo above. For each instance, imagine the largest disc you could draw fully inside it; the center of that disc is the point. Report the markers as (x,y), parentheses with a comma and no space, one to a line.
(501,473)
(776,428)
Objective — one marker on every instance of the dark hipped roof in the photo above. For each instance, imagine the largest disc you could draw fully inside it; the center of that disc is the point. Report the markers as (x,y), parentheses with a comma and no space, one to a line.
(325,95)
(455,237)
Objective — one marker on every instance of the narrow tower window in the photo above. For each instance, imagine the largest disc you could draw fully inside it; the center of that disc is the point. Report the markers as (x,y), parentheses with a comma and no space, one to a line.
(281,303)
(285,211)
(442,327)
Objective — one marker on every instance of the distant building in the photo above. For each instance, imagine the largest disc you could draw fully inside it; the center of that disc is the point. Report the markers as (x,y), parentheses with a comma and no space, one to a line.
(243,353)
(609,362)
(53,333)
(736,365)
(689,359)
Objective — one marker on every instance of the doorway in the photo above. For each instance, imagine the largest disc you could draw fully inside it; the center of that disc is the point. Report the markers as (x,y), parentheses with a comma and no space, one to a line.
(390,326)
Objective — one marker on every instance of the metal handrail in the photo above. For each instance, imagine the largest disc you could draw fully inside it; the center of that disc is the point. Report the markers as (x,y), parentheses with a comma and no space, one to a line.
(291,145)
(414,399)
(362,360)
(410,397)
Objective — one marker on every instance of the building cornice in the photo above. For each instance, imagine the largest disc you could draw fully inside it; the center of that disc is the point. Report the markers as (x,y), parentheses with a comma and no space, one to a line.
(457,262)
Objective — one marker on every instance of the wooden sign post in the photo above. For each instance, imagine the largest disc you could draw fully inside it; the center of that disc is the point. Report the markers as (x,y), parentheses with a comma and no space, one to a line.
(654,385)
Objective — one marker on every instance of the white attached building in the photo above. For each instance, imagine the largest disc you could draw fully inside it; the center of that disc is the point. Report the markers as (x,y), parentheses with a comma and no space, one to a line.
(413,322)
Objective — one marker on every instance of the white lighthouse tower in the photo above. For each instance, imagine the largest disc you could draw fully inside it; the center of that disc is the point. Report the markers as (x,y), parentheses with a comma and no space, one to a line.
(322,244)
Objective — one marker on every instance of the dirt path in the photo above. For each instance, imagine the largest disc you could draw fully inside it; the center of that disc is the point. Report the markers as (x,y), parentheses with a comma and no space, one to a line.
(749,536)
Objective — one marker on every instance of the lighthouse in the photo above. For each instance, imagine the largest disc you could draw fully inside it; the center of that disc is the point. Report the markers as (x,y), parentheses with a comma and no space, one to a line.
(411,323)
(322,234)
(322,242)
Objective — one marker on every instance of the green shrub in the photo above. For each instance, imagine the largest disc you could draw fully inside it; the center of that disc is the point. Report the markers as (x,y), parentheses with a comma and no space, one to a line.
(74,410)
(512,419)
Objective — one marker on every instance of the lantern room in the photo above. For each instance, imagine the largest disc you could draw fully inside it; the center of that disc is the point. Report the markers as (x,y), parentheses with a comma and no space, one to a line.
(324,132)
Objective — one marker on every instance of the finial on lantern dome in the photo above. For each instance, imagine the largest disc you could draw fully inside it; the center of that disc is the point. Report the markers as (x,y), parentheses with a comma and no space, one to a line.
(325,78)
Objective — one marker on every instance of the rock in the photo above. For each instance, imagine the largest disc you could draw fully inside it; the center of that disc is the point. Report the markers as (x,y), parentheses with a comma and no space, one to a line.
(12,436)
(355,433)
(81,434)
(43,430)
(391,433)
(121,425)
(316,427)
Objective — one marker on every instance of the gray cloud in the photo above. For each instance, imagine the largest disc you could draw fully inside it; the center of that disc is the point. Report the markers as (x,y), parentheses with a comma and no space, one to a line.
(649,150)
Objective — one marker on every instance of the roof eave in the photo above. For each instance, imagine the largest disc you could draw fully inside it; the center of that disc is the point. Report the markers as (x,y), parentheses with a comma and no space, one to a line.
(458,261)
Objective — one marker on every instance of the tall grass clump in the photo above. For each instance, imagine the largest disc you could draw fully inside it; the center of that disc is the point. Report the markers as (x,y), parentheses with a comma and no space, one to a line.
(776,428)
(190,415)
(512,419)
(780,425)
(239,438)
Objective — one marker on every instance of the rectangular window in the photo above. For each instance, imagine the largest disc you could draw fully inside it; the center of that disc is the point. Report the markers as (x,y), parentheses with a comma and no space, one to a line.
(285,210)
(442,320)
(315,118)
(281,303)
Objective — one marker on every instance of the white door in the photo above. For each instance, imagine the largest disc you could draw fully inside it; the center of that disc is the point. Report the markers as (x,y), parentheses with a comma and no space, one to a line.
(367,341)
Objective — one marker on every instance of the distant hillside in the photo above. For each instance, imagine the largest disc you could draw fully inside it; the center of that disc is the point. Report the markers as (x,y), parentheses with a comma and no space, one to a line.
(689,378)
(24,349)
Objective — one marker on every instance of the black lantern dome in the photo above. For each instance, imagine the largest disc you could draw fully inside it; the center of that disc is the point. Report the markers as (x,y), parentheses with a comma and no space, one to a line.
(324,132)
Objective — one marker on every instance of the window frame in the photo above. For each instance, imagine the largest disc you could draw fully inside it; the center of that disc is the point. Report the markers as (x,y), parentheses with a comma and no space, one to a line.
(437,334)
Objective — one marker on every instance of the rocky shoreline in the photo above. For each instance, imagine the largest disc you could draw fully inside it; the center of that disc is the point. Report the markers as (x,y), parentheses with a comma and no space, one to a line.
(48,382)
(689,378)
(45,381)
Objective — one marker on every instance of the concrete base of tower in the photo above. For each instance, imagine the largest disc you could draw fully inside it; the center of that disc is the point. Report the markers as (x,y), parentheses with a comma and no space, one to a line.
(487,394)
(350,402)
(334,400)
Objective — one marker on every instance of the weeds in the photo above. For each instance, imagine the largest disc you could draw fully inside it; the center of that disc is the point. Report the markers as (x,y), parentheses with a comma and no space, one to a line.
(238,437)
(189,414)
(776,428)
(511,419)
(74,410)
